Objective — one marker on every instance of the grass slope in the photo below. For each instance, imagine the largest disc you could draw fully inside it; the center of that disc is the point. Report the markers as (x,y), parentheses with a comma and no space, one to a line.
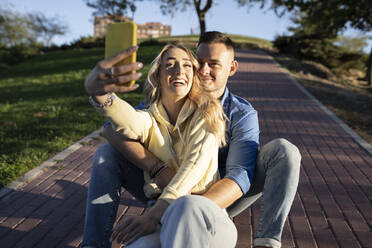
(44,108)
(193,39)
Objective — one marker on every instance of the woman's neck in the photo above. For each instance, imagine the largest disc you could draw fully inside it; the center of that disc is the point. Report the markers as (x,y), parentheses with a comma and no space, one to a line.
(173,108)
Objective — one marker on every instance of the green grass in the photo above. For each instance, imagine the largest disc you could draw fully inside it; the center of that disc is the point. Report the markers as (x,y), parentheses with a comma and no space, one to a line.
(236,38)
(251,40)
(44,108)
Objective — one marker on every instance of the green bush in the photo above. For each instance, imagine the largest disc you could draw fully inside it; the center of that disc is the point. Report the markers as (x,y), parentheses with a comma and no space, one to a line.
(88,42)
(16,54)
(153,42)
(85,42)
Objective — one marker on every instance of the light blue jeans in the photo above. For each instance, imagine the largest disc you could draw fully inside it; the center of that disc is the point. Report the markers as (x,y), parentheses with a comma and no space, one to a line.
(194,221)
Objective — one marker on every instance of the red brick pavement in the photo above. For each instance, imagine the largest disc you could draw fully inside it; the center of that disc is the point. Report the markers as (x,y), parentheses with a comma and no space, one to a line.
(331,209)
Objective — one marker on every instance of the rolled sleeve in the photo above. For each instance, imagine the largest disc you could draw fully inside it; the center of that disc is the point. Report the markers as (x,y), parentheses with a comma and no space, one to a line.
(141,106)
(243,150)
(126,120)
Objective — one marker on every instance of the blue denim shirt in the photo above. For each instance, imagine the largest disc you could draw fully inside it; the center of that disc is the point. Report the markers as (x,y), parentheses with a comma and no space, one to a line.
(237,160)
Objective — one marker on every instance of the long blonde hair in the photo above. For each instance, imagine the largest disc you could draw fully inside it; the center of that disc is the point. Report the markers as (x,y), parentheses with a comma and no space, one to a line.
(208,105)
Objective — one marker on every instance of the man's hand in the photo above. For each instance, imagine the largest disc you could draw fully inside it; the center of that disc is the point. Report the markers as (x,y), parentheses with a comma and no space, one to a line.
(132,228)
(105,77)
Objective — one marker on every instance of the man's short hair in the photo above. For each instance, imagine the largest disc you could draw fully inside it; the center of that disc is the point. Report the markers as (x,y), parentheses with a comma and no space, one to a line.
(212,37)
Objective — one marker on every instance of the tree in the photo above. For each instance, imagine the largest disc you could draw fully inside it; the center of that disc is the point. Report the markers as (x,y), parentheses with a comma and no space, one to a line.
(331,16)
(28,29)
(112,8)
(173,6)
(22,35)
(352,44)
(46,28)
(14,29)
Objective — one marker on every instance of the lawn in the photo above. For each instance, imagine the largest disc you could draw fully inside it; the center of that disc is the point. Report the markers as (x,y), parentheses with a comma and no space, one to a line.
(239,39)
(44,108)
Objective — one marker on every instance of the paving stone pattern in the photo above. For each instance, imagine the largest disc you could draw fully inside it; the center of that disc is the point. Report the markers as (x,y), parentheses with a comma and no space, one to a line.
(331,209)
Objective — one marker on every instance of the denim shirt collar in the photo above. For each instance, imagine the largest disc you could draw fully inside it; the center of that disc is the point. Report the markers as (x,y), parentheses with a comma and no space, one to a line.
(225,100)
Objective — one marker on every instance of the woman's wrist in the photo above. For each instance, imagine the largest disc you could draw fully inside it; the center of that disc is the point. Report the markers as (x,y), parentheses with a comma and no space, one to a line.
(157,168)
(102,101)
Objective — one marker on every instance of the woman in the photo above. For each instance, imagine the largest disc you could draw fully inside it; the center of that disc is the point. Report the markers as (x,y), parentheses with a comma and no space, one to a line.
(182,126)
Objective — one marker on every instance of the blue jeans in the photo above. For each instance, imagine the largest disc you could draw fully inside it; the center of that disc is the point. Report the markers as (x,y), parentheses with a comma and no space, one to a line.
(276,178)
(192,221)
(110,172)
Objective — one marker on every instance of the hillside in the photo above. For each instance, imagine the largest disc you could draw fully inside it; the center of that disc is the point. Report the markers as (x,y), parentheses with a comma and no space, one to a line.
(44,108)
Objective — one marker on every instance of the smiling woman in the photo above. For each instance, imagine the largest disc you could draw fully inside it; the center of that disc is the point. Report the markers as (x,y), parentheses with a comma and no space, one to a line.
(181,125)
(173,122)
(173,80)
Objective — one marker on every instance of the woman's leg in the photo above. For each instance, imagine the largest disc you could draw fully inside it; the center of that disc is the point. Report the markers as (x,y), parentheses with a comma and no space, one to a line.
(149,241)
(194,221)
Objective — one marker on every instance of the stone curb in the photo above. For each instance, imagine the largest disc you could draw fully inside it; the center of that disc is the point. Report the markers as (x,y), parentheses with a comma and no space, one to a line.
(345,127)
(22,180)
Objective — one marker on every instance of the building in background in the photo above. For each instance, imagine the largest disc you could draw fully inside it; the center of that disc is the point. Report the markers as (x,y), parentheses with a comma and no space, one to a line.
(147,30)
(153,30)
(100,23)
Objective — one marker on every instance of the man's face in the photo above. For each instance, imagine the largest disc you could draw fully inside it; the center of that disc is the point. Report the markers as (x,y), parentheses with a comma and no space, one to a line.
(216,65)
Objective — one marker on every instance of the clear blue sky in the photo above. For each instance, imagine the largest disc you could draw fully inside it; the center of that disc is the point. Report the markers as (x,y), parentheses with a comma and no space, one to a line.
(225,16)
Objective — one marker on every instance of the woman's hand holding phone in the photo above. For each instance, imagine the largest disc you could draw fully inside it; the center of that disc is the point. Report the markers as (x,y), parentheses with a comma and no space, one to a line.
(106,77)
(116,73)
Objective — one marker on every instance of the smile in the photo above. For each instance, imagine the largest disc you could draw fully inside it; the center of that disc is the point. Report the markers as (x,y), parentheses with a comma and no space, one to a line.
(206,79)
(178,82)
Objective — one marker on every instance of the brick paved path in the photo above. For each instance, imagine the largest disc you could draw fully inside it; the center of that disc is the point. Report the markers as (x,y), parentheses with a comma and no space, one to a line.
(332,207)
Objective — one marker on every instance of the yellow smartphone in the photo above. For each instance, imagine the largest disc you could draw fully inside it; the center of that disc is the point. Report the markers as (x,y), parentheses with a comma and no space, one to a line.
(120,36)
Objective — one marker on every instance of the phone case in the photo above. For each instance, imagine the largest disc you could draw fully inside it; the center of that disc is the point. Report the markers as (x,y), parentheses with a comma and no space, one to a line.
(120,36)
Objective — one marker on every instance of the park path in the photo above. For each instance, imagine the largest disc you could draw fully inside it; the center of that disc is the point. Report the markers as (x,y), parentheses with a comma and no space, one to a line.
(331,209)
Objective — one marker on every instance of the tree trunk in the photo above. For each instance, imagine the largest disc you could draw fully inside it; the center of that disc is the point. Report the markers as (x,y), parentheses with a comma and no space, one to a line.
(201,13)
(202,23)
(369,69)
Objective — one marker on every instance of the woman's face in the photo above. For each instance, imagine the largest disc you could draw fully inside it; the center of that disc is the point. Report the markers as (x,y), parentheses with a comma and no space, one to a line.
(176,74)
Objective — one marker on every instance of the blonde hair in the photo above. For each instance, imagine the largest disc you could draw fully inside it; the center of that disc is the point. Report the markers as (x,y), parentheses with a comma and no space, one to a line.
(209,106)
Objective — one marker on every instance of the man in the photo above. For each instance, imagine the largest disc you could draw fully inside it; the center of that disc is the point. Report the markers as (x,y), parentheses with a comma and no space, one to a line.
(195,221)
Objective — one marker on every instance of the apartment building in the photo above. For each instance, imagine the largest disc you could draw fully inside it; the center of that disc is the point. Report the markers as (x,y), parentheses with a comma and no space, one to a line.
(147,30)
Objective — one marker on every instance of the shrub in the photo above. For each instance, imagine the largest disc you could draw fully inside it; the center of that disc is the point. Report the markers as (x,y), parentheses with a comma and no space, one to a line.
(16,54)
(88,42)
(152,42)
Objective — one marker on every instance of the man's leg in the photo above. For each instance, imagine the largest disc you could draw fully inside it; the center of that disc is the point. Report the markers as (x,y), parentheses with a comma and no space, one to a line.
(196,222)
(110,171)
(276,178)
